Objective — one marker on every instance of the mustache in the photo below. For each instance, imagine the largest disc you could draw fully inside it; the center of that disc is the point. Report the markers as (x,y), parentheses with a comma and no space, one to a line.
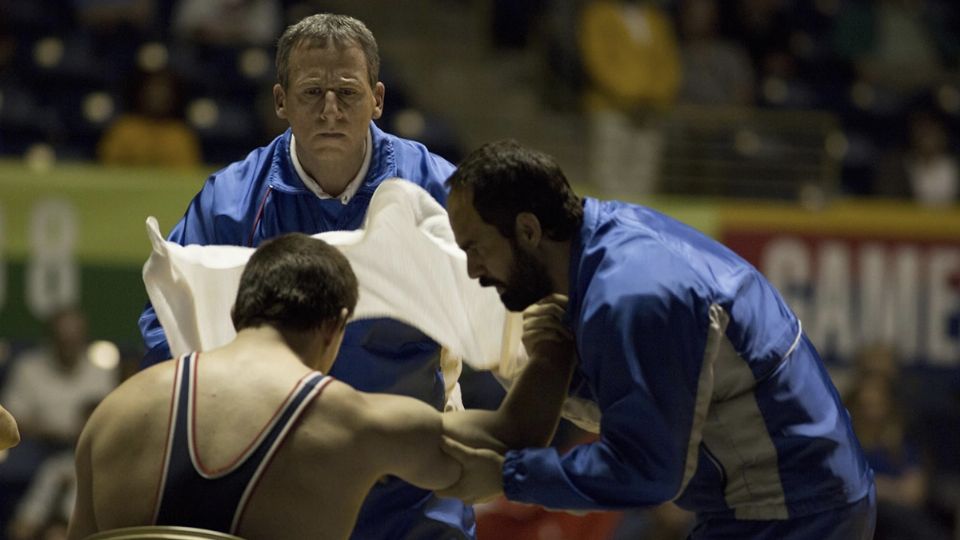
(488,282)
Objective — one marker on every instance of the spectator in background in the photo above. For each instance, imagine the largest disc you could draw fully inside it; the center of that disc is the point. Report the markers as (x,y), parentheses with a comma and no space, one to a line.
(9,434)
(153,132)
(764,27)
(107,16)
(48,388)
(896,462)
(44,511)
(227,23)
(902,45)
(926,171)
(715,71)
(113,31)
(630,55)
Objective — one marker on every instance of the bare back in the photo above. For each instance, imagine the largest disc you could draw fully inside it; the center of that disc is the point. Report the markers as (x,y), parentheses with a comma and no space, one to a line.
(314,484)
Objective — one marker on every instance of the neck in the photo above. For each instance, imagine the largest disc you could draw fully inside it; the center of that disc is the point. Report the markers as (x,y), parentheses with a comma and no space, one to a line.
(557,258)
(332,175)
(304,346)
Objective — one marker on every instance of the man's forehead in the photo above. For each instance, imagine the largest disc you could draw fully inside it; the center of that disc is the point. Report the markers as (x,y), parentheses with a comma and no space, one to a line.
(344,58)
(460,209)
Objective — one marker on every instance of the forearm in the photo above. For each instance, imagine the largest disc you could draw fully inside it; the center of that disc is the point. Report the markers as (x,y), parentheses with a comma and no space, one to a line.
(477,428)
(530,413)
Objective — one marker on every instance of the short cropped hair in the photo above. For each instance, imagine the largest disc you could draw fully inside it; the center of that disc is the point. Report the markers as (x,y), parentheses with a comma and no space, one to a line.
(507,179)
(321,30)
(294,282)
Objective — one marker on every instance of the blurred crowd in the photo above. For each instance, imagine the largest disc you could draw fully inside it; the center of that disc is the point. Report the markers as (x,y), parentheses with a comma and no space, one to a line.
(171,83)
(77,76)
(886,70)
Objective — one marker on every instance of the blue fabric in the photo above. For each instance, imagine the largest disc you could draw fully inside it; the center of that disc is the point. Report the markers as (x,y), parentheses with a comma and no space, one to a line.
(641,286)
(189,499)
(855,521)
(261,197)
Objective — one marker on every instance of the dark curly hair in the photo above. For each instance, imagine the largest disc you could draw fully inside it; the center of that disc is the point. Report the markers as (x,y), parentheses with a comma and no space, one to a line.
(294,282)
(507,179)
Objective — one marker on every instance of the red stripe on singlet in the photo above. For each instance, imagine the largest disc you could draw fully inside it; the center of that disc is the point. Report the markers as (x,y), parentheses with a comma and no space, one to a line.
(238,460)
(238,518)
(168,441)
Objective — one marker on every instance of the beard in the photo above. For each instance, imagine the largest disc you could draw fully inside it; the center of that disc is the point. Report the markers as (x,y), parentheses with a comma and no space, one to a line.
(529,281)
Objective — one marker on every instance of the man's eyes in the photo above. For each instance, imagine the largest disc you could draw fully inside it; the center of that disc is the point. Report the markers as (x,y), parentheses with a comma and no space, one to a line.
(340,92)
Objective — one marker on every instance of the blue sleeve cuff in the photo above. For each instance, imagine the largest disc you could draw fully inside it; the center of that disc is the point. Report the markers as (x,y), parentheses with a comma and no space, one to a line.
(537,476)
(514,473)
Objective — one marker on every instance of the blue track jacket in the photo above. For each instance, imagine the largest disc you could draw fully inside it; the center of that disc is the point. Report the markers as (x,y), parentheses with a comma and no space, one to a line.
(710,393)
(261,197)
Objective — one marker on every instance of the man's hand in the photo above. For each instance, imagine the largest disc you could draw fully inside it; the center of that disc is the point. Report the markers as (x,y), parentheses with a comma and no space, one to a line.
(482,477)
(544,333)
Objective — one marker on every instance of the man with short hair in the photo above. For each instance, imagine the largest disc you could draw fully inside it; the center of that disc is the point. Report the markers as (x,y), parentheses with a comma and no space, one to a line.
(711,395)
(319,176)
(182,442)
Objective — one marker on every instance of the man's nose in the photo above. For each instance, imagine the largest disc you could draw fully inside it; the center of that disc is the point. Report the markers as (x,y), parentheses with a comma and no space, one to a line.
(330,107)
(474,268)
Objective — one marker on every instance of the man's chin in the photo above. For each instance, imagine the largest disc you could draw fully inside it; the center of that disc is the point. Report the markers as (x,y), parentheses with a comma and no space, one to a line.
(514,304)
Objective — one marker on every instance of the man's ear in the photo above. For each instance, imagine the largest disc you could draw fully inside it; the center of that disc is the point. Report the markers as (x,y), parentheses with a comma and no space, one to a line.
(333,328)
(279,101)
(527,231)
(344,315)
(378,92)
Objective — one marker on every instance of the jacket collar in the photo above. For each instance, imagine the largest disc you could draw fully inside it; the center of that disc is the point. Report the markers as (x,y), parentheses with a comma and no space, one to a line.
(382,163)
(578,244)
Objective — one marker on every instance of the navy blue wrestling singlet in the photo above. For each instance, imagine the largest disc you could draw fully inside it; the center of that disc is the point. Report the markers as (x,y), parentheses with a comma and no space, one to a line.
(189,494)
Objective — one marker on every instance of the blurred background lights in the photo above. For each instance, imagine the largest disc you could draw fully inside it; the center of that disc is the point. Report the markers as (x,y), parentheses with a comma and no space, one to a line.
(254,63)
(40,157)
(48,52)
(152,57)
(837,145)
(775,90)
(409,123)
(203,113)
(949,98)
(747,142)
(98,107)
(104,354)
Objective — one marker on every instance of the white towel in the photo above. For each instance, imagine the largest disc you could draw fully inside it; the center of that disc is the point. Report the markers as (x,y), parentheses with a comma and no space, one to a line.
(408,266)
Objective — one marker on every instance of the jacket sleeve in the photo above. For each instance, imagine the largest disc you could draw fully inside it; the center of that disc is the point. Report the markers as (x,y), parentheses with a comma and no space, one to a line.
(199,225)
(643,356)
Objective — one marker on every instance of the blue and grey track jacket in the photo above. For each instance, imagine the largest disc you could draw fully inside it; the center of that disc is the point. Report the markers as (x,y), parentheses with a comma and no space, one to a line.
(710,393)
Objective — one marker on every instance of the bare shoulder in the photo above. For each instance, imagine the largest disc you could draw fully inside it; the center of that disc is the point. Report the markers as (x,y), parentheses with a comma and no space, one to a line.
(367,411)
(365,418)
(340,404)
(142,399)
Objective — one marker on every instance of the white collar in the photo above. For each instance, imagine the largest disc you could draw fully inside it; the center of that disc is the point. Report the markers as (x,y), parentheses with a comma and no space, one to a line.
(352,187)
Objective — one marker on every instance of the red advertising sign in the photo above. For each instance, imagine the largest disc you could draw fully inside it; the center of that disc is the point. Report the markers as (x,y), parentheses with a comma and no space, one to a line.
(851,290)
